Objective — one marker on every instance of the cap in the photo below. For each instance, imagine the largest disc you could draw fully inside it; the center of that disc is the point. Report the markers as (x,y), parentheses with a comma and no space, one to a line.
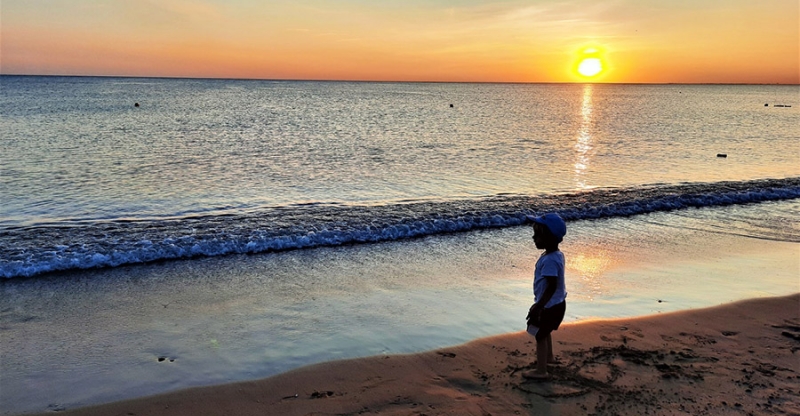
(554,223)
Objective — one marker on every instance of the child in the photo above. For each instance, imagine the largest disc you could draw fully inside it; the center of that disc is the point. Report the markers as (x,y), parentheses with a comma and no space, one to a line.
(549,289)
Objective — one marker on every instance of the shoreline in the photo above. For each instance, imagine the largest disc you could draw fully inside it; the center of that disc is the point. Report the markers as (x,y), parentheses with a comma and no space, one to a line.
(737,358)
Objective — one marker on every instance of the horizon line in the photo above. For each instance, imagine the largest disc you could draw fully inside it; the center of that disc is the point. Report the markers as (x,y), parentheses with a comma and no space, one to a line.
(389,81)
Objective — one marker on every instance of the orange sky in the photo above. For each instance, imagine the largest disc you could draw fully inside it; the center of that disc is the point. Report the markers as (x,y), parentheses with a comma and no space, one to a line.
(638,41)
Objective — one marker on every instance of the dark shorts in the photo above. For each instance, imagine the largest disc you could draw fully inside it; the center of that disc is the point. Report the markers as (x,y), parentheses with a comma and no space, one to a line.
(550,320)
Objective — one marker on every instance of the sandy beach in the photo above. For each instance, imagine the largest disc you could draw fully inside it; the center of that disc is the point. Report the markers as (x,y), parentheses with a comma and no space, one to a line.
(738,359)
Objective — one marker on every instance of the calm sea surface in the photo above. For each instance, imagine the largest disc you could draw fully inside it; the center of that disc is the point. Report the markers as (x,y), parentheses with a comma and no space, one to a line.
(385,218)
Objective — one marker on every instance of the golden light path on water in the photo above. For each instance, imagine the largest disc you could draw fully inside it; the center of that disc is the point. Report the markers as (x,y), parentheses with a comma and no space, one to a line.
(583,146)
(591,263)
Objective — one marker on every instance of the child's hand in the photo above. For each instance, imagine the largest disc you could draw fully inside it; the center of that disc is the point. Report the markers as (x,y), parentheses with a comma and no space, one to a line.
(534,314)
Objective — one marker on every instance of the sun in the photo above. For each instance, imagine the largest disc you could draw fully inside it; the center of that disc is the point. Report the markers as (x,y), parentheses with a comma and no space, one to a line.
(589,63)
(590,67)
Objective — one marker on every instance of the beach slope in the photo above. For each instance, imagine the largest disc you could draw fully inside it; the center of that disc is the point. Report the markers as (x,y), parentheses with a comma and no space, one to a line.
(741,358)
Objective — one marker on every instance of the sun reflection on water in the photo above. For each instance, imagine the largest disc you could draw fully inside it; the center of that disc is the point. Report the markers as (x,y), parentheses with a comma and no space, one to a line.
(584,146)
(590,268)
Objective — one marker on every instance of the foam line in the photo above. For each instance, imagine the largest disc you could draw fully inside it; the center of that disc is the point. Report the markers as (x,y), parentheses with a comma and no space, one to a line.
(34,250)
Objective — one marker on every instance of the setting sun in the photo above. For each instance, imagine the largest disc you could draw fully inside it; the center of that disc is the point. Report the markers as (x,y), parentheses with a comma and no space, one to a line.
(590,67)
(590,63)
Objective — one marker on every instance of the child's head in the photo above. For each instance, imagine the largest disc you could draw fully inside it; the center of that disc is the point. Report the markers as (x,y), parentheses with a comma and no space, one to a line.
(548,231)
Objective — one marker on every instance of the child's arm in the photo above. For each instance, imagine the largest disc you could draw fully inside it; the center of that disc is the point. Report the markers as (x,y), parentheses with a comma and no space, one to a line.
(549,291)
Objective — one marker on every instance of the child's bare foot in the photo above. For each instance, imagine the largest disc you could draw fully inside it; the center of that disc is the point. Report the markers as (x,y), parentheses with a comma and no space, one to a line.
(535,375)
(550,361)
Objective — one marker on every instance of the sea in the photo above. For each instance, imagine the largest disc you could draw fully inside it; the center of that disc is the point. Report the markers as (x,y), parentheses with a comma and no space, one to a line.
(160,234)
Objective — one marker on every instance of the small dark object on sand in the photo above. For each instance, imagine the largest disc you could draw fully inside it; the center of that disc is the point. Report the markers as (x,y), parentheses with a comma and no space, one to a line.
(136,104)
(722,155)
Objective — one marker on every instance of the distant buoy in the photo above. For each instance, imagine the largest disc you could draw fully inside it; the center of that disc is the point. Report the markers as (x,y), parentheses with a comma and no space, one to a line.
(136,105)
(722,155)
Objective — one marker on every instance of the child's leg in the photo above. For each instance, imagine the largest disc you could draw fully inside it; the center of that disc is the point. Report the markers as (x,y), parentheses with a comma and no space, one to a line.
(550,357)
(543,351)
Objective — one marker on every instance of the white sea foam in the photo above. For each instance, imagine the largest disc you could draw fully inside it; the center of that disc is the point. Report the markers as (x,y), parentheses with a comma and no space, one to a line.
(29,251)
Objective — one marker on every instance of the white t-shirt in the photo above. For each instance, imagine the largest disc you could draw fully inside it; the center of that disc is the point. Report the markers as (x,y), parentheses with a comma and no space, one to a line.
(550,264)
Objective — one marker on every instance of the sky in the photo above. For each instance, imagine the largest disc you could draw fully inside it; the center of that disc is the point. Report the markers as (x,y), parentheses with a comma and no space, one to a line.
(629,41)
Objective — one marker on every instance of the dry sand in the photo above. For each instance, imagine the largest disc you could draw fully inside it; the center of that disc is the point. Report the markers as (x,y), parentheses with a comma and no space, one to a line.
(737,359)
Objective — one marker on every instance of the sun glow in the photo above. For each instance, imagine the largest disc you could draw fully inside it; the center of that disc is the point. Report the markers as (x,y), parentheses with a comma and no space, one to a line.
(590,67)
(589,63)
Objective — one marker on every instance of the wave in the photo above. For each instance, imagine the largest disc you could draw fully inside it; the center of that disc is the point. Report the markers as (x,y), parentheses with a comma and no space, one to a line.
(33,250)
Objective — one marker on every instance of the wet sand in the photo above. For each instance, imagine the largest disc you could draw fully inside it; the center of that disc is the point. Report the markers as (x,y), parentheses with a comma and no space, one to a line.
(740,358)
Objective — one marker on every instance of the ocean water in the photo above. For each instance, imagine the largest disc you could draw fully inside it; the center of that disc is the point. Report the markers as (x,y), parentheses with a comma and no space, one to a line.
(226,229)
(213,167)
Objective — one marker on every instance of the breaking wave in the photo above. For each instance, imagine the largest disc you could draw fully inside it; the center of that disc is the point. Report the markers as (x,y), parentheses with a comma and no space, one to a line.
(33,250)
